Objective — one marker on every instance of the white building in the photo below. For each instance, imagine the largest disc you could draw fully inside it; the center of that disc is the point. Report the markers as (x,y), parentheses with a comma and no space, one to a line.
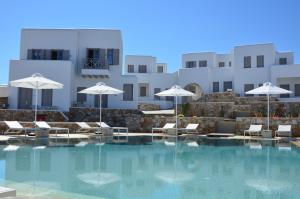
(79,58)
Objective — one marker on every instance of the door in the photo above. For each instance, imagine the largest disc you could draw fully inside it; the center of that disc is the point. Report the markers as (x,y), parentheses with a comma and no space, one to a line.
(24,98)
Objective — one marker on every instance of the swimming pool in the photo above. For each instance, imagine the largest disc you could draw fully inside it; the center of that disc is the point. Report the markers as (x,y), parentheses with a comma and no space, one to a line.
(152,171)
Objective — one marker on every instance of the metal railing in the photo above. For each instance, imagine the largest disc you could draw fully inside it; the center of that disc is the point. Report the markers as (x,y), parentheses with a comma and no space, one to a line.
(95,63)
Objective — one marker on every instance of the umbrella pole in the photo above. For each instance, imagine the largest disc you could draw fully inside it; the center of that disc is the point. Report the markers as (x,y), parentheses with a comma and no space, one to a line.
(176,116)
(35,112)
(100,107)
(268,119)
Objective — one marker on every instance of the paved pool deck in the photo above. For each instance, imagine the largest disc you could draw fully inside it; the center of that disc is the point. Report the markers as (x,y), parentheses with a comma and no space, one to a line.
(294,141)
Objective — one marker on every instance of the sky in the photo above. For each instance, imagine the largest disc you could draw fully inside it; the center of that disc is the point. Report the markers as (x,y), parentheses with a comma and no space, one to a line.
(162,28)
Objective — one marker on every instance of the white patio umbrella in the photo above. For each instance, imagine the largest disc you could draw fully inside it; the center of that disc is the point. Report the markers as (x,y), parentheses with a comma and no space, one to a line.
(36,82)
(175,91)
(101,89)
(268,89)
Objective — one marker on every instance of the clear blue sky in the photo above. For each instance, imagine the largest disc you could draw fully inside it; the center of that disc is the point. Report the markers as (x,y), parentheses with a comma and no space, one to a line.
(162,28)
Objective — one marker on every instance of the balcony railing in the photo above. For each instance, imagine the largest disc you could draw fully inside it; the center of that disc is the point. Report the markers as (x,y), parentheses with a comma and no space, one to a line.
(95,63)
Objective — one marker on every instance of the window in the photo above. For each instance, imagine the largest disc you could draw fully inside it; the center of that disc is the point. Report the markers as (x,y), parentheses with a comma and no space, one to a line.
(81,97)
(128,92)
(202,63)
(248,87)
(221,64)
(260,61)
(287,87)
(47,54)
(227,85)
(216,87)
(247,62)
(142,69)
(143,91)
(156,90)
(282,61)
(297,90)
(229,63)
(160,69)
(110,56)
(130,68)
(47,97)
(55,54)
(190,64)
(37,54)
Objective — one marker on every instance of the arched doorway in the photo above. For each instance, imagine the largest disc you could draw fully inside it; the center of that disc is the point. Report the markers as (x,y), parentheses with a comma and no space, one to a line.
(194,88)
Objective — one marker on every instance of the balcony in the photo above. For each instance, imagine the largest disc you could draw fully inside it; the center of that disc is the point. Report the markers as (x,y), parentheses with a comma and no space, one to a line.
(94,67)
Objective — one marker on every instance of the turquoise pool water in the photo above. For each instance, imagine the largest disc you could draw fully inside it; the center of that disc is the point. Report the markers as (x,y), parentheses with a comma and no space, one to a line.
(152,171)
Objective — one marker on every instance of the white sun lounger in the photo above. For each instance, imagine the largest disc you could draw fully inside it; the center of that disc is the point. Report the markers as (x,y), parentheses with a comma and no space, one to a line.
(119,129)
(45,125)
(85,128)
(16,127)
(253,129)
(284,130)
(164,129)
(190,128)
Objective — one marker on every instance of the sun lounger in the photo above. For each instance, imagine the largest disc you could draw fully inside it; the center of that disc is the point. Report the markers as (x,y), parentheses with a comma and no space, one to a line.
(118,129)
(16,127)
(190,128)
(85,128)
(253,129)
(108,131)
(284,130)
(46,126)
(164,129)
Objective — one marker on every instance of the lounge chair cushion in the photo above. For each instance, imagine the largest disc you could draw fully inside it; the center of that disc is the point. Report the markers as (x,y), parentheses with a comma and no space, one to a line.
(102,124)
(14,125)
(254,128)
(43,125)
(284,128)
(191,126)
(83,125)
(169,126)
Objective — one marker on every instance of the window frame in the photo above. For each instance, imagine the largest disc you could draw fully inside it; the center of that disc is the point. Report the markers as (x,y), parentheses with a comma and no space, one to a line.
(129,66)
(218,90)
(260,65)
(246,61)
(140,68)
(202,63)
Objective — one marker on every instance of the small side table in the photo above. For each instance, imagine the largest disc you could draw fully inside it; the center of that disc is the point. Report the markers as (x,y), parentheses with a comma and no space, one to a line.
(266,133)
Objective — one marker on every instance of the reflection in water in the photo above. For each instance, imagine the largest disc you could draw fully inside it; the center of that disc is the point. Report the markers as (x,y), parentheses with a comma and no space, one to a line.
(149,171)
(99,179)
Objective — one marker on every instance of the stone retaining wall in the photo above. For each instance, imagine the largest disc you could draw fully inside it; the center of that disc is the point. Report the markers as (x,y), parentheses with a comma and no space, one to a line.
(28,115)
(148,107)
(243,123)
(113,117)
(206,124)
(232,110)
(209,109)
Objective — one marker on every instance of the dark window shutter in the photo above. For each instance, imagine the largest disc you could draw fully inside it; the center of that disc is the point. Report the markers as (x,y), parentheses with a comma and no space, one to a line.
(43,54)
(102,58)
(29,54)
(66,55)
(116,56)
(48,54)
